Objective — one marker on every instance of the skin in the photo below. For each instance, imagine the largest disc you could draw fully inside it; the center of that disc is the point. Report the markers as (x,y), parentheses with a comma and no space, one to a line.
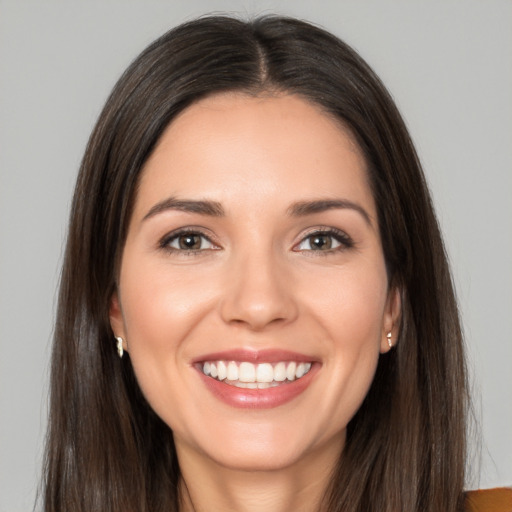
(256,282)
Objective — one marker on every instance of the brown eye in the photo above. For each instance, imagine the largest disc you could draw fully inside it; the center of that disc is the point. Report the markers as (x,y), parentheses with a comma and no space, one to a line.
(190,242)
(320,242)
(187,242)
(325,241)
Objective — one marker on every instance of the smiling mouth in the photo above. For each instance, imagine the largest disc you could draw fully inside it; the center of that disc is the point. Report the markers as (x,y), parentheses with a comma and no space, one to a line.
(243,374)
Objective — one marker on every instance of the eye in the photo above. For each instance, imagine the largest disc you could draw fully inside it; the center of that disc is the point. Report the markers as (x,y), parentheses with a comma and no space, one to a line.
(324,241)
(187,241)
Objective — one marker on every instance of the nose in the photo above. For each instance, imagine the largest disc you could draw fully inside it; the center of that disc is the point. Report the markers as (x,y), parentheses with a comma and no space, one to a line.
(258,293)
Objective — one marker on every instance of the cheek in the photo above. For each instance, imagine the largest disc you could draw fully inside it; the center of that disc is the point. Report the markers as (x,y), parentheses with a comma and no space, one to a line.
(160,309)
(159,306)
(351,312)
(350,302)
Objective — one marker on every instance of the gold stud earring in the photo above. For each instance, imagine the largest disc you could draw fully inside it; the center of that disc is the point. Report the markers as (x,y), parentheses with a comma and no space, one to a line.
(120,350)
(390,343)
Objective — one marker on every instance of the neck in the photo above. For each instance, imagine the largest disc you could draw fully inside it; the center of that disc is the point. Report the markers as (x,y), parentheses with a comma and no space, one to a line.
(209,487)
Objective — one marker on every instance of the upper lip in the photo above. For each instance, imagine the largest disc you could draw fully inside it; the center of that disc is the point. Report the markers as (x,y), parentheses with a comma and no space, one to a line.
(255,356)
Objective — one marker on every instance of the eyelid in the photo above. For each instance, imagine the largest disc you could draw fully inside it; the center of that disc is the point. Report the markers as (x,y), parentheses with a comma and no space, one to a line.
(164,242)
(340,236)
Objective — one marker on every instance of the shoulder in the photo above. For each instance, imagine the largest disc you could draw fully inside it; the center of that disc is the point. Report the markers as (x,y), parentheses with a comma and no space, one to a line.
(489,500)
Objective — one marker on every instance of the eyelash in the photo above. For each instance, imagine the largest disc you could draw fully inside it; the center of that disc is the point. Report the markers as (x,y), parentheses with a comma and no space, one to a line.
(171,237)
(339,236)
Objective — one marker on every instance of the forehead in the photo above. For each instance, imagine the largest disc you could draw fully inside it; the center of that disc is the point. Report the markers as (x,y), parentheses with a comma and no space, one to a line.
(232,144)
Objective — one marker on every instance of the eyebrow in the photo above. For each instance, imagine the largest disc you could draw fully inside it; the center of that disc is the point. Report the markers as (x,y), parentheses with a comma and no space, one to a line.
(210,208)
(215,209)
(304,208)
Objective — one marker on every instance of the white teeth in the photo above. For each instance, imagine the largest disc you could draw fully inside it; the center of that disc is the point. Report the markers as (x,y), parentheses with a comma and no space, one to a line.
(252,376)
(232,371)
(290,371)
(265,373)
(246,372)
(280,372)
(222,371)
(252,385)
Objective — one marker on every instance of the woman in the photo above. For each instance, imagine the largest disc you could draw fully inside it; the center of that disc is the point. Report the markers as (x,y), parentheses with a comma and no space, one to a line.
(252,234)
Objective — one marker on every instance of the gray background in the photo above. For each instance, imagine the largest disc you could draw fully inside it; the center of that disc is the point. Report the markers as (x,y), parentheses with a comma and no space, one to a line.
(448,65)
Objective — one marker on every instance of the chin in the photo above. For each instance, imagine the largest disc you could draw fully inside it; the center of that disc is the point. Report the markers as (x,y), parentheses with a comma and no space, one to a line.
(257,461)
(267,448)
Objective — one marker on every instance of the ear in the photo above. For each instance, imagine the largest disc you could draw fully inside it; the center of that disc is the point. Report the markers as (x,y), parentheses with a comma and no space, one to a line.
(116,319)
(391,320)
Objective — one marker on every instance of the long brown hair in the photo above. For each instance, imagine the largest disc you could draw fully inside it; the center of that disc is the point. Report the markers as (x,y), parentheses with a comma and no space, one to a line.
(106,449)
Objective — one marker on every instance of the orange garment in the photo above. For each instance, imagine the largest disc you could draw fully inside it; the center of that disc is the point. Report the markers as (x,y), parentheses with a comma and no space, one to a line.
(489,500)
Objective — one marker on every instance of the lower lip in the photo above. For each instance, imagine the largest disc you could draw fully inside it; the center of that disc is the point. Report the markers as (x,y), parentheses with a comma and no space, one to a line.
(259,398)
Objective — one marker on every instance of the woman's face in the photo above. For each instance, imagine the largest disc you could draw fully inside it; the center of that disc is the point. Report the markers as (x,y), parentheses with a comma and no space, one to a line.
(253,293)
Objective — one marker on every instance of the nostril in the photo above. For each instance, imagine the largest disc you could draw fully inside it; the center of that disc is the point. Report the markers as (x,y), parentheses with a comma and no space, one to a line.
(259,298)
